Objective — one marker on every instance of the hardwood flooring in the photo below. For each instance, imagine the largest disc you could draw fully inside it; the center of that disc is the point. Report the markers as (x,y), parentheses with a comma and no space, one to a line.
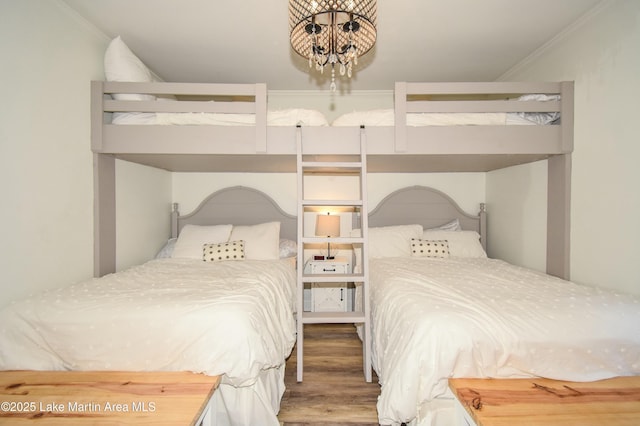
(333,391)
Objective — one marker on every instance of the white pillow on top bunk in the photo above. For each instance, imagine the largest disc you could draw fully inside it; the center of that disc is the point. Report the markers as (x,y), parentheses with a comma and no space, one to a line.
(121,64)
(295,116)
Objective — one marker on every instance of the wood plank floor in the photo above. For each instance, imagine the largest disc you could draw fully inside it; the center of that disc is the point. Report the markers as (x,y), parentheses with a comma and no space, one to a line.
(333,391)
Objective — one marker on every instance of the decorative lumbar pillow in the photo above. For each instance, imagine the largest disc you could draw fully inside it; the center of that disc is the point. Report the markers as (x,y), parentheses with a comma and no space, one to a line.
(231,250)
(429,248)
(461,243)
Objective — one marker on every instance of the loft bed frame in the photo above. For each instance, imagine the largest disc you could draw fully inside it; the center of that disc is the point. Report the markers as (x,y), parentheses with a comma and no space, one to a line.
(390,148)
(261,147)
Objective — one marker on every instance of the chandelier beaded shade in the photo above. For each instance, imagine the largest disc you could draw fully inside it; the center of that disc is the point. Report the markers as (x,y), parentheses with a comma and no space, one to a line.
(333,32)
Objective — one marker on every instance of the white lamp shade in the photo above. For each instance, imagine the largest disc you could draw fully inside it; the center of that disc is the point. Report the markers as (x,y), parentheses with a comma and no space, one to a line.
(328,225)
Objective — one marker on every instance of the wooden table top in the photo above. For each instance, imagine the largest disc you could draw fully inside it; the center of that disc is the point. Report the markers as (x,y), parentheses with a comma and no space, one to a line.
(101,398)
(511,402)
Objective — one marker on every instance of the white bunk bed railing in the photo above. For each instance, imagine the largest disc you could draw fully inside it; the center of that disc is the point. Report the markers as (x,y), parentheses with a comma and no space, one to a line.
(392,144)
(159,97)
(483,97)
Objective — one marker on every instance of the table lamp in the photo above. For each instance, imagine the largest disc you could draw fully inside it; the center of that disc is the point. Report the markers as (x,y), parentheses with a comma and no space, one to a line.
(328,226)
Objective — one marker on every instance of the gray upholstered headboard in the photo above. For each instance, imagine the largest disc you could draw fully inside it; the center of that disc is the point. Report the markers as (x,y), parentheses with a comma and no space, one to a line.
(237,205)
(427,207)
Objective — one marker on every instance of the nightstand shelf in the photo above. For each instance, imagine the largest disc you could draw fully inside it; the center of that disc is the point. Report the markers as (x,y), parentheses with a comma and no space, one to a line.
(336,278)
(333,317)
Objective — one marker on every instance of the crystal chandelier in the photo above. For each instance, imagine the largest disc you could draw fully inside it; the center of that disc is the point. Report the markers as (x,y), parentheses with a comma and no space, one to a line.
(333,32)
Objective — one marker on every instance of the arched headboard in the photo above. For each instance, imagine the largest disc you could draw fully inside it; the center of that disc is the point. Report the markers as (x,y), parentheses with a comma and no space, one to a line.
(236,205)
(428,207)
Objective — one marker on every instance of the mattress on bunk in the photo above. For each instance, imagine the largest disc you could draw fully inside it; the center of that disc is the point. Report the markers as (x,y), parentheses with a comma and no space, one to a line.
(233,318)
(285,117)
(386,117)
(478,317)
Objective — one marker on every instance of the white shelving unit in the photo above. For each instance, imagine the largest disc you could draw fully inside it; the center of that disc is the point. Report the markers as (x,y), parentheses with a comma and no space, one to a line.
(311,165)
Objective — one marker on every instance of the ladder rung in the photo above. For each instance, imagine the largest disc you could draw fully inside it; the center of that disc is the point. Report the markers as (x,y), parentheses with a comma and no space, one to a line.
(331,164)
(334,240)
(332,203)
(332,317)
(344,165)
(332,278)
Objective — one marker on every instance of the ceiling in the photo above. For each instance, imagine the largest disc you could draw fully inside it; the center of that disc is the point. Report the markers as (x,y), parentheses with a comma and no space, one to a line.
(231,41)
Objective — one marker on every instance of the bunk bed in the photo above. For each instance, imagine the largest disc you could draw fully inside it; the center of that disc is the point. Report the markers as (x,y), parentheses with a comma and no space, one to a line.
(249,134)
(456,313)
(233,319)
(252,145)
(229,128)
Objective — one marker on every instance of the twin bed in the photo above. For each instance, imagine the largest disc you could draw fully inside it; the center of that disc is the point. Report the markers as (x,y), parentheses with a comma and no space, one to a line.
(455,315)
(232,318)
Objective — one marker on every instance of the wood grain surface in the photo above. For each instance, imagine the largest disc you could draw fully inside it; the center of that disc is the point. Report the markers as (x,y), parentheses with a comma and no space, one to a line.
(511,402)
(333,391)
(103,398)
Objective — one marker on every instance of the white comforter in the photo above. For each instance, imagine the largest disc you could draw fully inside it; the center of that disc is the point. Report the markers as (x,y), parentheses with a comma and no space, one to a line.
(386,117)
(285,117)
(440,318)
(231,318)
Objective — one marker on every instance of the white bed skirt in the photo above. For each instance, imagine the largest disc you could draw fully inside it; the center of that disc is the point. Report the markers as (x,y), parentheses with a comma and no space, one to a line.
(258,404)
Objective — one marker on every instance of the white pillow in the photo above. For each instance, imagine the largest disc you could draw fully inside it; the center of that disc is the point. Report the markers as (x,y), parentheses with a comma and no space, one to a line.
(374,117)
(461,243)
(288,248)
(391,241)
(167,249)
(261,242)
(454,225)
(193,237)
(121,64)
(294,116)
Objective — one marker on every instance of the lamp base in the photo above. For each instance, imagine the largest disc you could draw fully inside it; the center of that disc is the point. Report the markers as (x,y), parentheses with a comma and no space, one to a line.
(329,257)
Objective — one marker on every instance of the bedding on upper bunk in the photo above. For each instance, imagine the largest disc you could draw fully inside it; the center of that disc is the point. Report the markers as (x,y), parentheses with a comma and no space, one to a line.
(122,65)
(452,316)
(386,117)
(284,117)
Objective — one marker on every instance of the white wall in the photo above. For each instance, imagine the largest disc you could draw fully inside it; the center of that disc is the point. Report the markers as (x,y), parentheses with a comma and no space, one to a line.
(143,214)
(46,166)
(601,54)
(46,180)
(517,216)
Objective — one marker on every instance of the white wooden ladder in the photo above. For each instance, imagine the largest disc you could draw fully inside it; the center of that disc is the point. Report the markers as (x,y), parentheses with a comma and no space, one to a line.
(359,275)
